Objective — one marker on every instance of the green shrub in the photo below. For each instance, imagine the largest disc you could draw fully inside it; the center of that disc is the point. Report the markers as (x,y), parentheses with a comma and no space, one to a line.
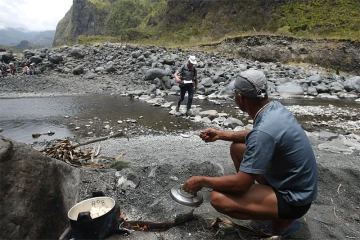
(119,165)
(285,31)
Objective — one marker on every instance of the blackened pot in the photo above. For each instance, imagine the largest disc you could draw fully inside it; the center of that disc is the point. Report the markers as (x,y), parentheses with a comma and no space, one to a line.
(85,227)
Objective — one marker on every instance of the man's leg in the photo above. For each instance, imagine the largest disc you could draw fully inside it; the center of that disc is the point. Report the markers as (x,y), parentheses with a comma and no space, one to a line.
(259,203)
(181,98)
(190,90)
(237,151)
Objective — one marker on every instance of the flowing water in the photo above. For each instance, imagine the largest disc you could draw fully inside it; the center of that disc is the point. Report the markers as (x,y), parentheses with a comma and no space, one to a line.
(20,118)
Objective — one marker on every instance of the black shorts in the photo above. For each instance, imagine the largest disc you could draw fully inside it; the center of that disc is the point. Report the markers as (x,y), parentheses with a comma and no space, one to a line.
(289,211)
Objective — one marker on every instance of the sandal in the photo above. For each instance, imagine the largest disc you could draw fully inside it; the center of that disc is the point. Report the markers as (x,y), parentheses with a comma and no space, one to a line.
(292,229)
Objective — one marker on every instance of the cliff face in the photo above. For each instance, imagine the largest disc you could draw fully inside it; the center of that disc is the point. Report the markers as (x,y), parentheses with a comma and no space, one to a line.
(131,19)
(84,18)
(201,21)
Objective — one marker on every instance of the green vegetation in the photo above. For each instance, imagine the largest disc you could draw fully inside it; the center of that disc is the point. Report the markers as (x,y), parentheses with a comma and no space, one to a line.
(337,19)
(119,165)
(185,24)
(82,39)
(101,4)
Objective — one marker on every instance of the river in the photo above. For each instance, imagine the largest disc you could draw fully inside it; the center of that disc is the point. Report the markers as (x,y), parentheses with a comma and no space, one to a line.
(21,117)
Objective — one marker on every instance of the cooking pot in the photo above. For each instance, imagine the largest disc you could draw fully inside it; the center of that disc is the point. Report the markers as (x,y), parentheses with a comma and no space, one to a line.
(85,226)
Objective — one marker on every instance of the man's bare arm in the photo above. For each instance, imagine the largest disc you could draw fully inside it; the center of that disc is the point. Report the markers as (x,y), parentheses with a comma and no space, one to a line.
(234,136)
(237,183)
(211,135)
(176,75)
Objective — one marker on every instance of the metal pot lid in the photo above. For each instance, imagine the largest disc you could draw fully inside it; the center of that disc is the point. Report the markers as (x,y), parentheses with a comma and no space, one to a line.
(184,198)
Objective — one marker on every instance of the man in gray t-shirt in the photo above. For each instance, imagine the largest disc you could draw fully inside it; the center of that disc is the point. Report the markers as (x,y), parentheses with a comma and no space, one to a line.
(276,167)
(187,78)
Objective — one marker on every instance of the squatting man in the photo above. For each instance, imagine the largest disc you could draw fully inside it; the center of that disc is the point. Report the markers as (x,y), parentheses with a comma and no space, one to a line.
(276,168)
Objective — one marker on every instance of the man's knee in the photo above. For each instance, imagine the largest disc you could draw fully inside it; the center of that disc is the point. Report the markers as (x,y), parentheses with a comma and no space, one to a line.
(237,149)
(216,200)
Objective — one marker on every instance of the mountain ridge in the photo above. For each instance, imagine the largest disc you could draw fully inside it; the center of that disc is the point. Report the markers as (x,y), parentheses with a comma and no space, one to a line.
(11,37)
(190,22)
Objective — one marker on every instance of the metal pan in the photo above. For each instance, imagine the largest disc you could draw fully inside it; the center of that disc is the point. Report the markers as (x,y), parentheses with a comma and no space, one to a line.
(184,198)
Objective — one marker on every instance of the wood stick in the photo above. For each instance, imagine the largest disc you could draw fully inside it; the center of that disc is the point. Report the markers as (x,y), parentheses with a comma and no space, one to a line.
(65,233)
(159,226)
(100,139)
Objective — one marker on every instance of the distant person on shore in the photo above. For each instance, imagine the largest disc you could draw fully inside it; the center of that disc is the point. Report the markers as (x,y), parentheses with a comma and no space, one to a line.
(32,69)
(25,70)
(3,70)
(27,62)
(12,69)
(187,78)
(276,168)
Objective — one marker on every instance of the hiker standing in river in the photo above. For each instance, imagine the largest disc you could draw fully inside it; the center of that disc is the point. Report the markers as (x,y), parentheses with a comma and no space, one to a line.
(276,168)
(187,78)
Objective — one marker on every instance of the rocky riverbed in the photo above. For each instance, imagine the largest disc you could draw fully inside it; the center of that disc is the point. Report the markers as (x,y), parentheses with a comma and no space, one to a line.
(163,160)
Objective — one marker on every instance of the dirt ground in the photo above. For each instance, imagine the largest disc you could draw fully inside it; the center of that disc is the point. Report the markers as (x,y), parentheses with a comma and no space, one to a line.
(167,161)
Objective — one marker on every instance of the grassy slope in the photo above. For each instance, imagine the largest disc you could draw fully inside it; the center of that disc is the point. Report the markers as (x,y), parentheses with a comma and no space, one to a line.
(176,23)
(326,19)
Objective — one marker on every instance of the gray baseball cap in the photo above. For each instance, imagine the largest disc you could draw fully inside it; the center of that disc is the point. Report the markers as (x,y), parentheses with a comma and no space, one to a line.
(251,83)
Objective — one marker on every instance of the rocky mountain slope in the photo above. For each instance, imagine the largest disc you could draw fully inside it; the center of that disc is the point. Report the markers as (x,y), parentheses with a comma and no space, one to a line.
(202,21)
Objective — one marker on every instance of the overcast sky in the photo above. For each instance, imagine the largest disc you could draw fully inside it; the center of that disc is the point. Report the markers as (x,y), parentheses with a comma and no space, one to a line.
(33,15)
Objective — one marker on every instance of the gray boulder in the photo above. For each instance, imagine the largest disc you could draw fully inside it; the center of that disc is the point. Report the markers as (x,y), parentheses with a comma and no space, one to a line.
(207,82)
(136,54)
(336,87)
(90,75)
(56,58)
(312,91)
(78,70)
(315,79)
(233,122)
(6,57)
(322,88)
(36,59)
(166,81)
(36,192)
(151,74)
(211,114)
(290,89)
(77,53)
(352,84)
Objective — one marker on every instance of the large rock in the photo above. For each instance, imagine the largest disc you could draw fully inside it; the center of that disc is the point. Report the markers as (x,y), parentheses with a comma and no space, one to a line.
(291,89)
(6,57)
(151,74)
(56,58)
(78,70)
(77,53)
(35,59)
(352,84)
(36,193)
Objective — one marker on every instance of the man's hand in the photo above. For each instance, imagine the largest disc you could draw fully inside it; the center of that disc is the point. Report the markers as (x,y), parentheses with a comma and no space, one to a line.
(192,185)
(209,135)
